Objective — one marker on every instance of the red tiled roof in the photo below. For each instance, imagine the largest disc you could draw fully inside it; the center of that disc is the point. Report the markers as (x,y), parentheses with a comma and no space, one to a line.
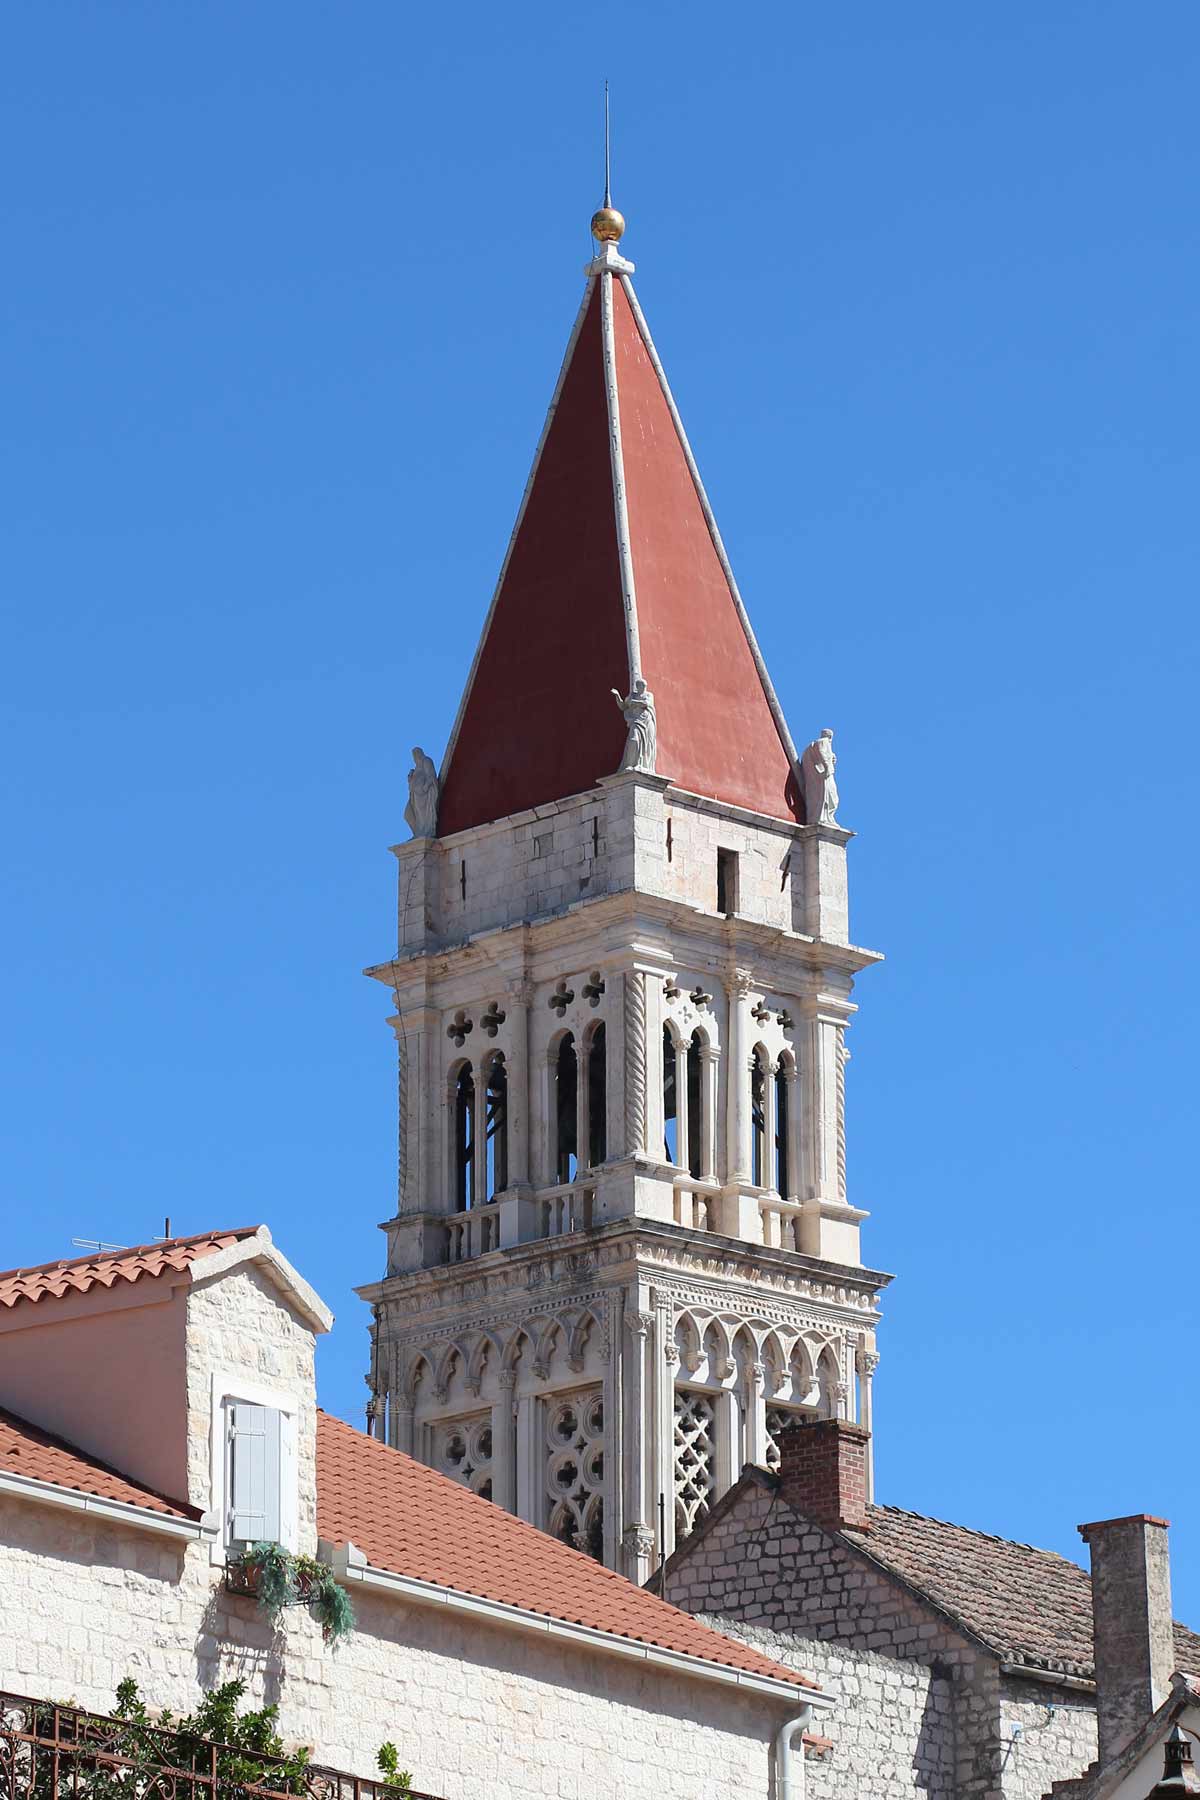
(538,721)
(27,1450)
(108,1267)
(410,1520)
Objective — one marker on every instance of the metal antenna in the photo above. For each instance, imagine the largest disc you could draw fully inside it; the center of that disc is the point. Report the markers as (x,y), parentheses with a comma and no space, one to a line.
(607,193)
(97,1244)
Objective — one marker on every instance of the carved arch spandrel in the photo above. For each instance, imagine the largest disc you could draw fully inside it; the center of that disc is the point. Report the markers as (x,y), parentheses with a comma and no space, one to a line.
(484,1349)
(580,1333)
(418,1375)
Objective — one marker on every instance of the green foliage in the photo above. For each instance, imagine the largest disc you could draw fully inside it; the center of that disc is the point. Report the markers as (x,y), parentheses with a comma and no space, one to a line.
(331,1607)
(275,1575)
(281,1579)
(214,1740)
(396,1780)
(240,1740)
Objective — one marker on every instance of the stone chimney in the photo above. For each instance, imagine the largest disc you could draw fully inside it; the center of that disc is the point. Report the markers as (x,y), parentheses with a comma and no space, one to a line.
(1131,1624)
(823,1471)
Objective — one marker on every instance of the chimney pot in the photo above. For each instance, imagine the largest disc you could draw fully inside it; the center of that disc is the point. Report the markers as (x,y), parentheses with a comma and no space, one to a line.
(823,1471)
(1131,1623)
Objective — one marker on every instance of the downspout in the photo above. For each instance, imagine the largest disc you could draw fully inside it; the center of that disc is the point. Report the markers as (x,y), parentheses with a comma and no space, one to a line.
(789,1786)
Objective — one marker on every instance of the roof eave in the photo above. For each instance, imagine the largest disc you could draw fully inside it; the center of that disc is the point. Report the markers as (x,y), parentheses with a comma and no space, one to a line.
(204,1528)
(350,1566)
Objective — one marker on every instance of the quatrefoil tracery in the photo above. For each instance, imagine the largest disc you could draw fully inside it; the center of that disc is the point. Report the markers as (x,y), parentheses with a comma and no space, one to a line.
(460,1028)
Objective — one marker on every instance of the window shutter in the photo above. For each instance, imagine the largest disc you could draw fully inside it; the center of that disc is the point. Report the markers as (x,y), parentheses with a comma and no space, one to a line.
(254,1499)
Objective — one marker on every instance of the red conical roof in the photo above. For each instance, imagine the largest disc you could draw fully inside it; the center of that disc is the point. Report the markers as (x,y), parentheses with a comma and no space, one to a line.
(615,570)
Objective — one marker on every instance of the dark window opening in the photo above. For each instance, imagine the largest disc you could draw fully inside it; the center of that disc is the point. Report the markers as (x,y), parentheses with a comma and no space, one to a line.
(758,1121)
(782,1172)
(497,1127)
(694,1104)
(727,881)
(464,1137)
(462,878)
(670,1097)
(597,1091)
(566,1087)
(670,841)
(595,835)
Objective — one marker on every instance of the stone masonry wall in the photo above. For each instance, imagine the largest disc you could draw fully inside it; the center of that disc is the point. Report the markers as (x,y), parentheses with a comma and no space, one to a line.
(1057,1736)
(893,1729)
(623,834)
(239,1322)
(922,1709)
(475,1709)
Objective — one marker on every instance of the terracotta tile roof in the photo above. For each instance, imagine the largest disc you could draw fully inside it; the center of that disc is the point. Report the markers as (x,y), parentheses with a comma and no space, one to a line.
(106,1268)
(1027,1605)
(412,1521)
(26,1449)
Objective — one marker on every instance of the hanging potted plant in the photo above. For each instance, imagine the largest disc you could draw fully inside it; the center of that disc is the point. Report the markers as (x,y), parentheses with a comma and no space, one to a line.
(277,1580)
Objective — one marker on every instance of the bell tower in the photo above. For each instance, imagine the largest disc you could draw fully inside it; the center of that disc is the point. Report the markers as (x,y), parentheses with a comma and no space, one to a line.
(623,1252)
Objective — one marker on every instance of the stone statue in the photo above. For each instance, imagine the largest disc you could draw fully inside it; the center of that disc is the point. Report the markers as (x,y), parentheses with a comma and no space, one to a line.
(420,815)
(820,789)
(641,746)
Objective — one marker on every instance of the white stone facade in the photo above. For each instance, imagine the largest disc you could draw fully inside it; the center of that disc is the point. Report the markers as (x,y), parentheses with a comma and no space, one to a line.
(473,1709)
(475,1706)
(665,1222)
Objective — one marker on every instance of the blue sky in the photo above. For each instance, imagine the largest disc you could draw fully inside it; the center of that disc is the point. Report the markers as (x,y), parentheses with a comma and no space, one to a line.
(286,292)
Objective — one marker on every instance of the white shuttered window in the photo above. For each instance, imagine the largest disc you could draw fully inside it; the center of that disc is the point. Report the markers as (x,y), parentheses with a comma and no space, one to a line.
(254,1488)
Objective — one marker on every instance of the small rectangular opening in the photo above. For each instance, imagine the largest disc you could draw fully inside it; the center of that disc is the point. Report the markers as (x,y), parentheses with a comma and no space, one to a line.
(727,881)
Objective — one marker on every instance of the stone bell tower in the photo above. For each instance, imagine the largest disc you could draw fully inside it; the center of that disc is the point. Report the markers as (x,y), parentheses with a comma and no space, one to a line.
(623,1252)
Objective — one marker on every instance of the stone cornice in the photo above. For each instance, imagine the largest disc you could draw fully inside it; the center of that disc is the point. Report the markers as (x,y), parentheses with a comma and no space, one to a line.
(660,1251)
(589,921)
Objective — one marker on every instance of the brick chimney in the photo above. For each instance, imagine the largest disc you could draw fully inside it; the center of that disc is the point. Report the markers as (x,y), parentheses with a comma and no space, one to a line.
(1131,1624)
(823,1471)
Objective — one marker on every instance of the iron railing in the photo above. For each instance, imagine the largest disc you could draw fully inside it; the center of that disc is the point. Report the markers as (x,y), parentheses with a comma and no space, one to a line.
(52,1752)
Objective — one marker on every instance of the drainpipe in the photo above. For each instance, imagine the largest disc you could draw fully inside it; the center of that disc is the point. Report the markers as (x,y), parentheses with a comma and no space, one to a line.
(789,1786)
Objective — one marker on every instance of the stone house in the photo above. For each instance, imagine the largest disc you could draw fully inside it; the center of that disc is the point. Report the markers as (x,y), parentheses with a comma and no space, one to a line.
(158,1410)
(1159,1761)
(966,1665)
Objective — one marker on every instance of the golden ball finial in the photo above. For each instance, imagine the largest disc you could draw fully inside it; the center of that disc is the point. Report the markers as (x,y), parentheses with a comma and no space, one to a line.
(608,225)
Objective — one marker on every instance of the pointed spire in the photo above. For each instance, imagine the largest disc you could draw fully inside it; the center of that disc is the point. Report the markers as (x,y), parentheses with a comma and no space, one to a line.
(615,574)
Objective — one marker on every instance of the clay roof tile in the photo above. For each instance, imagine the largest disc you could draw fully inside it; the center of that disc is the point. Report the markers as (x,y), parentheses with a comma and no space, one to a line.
(107,1268)
(413,1521)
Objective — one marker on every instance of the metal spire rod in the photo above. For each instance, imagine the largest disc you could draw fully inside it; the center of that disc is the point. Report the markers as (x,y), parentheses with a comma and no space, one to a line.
(607,193)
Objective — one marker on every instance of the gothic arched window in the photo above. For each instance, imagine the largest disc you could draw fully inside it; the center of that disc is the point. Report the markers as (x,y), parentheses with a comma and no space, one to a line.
(464,1137)
(496,1097)
(783,1093)
(670,1096)
(695,1103)
(566,1111)
(597,1096)
(758,1118)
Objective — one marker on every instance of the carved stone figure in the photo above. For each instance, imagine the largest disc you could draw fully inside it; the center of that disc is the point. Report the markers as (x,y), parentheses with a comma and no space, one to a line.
(641,746)
(420,815)
(820,789)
